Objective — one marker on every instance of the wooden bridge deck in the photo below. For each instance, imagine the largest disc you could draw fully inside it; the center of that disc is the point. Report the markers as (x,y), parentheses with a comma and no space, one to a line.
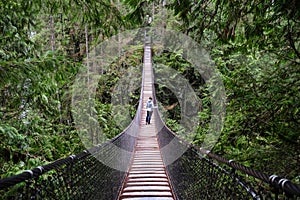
(147,177)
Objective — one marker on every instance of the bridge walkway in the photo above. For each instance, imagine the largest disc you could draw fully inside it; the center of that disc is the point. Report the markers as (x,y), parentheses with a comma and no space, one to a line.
(147,177)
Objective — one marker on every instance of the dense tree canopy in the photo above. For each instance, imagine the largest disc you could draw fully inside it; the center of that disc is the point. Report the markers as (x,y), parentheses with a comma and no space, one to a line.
(42,47)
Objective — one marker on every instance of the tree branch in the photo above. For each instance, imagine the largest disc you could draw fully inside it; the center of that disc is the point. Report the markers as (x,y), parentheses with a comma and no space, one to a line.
(291,40)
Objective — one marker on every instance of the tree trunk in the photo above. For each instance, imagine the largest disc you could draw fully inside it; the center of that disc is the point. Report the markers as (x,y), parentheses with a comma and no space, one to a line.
(52,30)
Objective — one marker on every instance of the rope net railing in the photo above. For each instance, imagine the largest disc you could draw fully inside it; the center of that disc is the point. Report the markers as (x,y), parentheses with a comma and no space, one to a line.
(80,176)
(200,174)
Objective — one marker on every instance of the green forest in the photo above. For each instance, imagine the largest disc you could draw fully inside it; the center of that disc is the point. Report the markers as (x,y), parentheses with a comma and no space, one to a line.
(255,45)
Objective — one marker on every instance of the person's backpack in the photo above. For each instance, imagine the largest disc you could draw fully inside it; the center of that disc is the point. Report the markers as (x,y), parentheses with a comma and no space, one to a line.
(149,104)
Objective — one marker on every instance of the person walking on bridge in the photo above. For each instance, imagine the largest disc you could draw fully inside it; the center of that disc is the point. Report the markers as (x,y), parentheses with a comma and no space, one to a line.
(149,108)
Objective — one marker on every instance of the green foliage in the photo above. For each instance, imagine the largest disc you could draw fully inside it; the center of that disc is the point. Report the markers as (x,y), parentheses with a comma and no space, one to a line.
(106,120)
(15,29)
(122,77)
(176,61)
(41,51)
(13,144)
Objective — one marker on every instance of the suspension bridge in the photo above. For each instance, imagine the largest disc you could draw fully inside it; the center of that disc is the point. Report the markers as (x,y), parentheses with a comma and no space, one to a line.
(196,174)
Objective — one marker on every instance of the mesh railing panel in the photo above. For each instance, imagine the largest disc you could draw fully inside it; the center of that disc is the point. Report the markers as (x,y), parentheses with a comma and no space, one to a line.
(196,177)
(77,177)
(198,174)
